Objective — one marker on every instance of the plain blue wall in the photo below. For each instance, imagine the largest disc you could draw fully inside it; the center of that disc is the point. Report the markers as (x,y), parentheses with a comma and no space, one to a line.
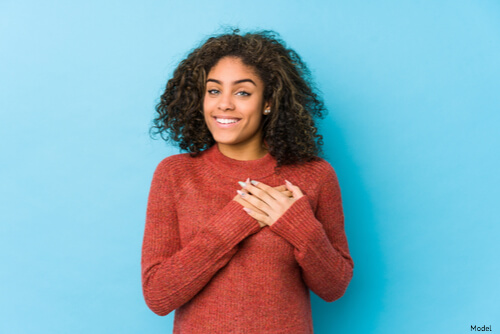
(413,93)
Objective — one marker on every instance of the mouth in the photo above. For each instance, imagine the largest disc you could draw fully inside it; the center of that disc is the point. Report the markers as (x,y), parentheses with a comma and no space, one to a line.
(226,122)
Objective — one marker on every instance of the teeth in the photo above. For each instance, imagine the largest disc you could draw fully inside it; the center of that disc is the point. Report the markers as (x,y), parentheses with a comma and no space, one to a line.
(226,121)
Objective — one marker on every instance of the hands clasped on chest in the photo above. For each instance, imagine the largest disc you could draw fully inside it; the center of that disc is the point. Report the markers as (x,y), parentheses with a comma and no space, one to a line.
(264,203)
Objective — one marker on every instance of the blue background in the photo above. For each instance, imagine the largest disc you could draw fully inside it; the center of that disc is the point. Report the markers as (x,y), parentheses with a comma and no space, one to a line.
(413,93)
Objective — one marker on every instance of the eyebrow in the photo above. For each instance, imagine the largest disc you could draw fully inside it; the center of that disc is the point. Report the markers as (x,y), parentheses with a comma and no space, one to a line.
(234,83)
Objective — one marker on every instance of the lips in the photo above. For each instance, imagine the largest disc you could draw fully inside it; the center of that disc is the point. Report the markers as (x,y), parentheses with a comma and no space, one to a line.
(226,121)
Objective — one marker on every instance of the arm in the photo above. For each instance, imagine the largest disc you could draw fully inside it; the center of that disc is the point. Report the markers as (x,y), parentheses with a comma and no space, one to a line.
(319,240)
(172,275)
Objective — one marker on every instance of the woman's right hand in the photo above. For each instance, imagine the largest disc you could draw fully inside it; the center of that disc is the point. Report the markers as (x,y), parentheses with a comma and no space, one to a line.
(246,204)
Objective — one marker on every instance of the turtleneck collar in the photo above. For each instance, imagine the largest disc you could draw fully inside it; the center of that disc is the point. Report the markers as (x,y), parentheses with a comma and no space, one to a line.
(239,169)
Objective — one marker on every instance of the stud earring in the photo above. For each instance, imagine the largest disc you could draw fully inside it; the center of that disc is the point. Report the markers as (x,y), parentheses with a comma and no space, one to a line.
(267,111)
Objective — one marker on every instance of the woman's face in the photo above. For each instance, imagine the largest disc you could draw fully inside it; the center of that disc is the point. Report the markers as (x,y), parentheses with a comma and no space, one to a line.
(234,103)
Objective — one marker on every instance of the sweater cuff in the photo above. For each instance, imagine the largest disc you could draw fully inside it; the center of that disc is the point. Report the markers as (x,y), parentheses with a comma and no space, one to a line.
(231,225)
(298,225)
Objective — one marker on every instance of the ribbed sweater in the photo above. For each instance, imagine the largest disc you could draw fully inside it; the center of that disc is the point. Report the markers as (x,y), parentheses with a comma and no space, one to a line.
(206,258)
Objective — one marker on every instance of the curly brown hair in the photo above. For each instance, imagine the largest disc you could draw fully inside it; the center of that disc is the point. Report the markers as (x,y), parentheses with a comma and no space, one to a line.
(289,131)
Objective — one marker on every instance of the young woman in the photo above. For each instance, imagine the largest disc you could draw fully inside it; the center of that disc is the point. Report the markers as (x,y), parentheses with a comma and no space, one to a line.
(241,227)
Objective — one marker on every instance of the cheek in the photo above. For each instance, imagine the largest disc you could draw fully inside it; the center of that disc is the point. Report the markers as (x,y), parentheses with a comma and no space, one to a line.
(206,108)
(257,120)
(208,122)
(205,105)
(256,117)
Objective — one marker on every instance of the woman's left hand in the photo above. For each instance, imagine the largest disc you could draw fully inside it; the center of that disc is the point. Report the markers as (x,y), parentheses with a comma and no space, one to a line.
(269,200)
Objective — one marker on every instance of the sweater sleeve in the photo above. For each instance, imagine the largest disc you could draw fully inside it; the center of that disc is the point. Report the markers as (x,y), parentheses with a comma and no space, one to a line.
(319,240)
(171,274)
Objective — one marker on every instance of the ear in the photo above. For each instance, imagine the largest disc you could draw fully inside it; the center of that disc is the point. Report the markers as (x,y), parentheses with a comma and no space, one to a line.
(267,106)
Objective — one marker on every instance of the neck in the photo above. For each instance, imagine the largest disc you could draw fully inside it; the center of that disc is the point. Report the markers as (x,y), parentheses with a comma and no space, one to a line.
(234,167)
(244,152)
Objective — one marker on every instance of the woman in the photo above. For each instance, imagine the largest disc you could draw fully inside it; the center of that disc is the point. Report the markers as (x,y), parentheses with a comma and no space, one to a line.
(241,227)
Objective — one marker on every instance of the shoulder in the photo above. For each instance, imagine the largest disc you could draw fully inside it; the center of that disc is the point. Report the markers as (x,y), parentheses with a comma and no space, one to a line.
(175,160)
(313,177)
(321,165)
(173,165)
(317,169)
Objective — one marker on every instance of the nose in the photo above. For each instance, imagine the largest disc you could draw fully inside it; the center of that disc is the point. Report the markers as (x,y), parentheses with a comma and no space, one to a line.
(226,102)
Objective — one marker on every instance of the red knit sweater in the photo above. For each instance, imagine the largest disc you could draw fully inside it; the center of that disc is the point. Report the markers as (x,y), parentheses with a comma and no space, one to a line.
(206,258)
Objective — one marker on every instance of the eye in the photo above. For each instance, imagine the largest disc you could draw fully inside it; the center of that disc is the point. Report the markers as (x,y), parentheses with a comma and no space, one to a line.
(243,93)
(213,91)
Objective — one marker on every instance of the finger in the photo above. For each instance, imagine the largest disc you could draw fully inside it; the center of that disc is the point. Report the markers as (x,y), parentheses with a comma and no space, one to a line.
(260,194)
(283,189)
(265,190)
(238,198)
(296,192)
(285,192)
(254,201)
(259,217)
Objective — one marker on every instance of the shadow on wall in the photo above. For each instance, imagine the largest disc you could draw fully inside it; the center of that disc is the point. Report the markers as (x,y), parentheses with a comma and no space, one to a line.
(359,309)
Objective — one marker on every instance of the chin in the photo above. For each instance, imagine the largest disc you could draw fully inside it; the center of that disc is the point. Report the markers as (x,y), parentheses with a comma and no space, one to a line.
(225,140)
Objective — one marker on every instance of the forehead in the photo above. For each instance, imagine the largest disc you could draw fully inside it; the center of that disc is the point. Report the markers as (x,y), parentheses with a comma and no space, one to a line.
(233,67)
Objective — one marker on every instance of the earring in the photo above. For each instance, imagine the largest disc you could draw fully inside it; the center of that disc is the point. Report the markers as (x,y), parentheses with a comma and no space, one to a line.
(267,111)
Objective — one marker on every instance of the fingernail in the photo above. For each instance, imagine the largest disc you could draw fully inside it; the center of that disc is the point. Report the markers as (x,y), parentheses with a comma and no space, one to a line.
(247,210)
(242,184)
(241,193)
(289,183)
(254,182)
(248,180)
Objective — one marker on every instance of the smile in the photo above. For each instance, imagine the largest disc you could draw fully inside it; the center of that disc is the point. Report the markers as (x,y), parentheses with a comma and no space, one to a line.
(226,122)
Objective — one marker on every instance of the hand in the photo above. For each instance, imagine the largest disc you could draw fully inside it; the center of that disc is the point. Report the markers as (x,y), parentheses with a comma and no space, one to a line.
(283,189)
(271,203)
